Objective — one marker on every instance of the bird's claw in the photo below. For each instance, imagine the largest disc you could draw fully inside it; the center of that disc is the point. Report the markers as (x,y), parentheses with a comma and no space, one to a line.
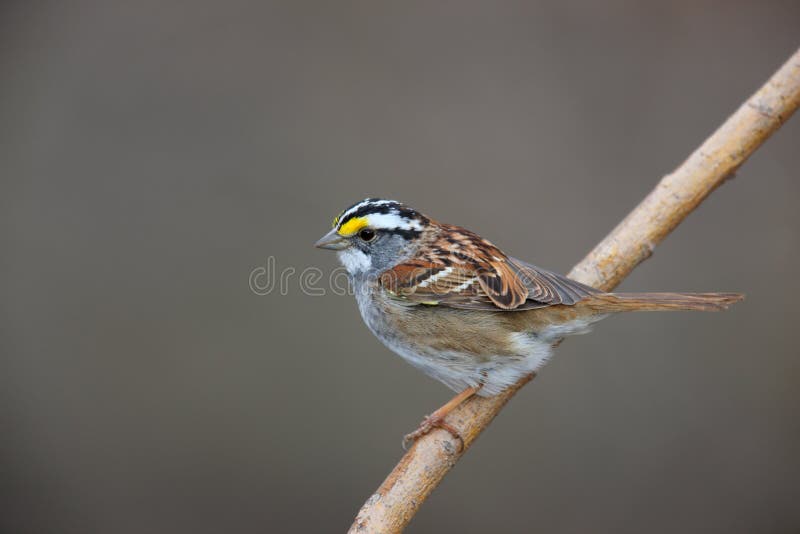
(431,422)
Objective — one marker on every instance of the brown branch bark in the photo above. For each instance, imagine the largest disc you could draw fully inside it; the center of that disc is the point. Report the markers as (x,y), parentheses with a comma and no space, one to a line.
(631,242)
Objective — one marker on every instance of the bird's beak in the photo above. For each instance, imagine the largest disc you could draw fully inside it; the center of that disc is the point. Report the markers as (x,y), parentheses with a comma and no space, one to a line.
(332,241)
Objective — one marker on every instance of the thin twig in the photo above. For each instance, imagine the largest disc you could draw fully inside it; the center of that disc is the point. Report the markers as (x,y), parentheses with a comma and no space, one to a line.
(631,242)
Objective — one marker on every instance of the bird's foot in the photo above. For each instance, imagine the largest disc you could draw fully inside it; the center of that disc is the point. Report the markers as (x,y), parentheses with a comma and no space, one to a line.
(432,422)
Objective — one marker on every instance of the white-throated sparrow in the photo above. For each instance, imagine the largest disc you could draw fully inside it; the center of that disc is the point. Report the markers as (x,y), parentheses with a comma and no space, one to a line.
(459,309)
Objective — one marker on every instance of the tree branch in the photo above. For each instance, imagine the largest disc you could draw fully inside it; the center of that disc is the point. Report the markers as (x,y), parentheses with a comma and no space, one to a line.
(424,466)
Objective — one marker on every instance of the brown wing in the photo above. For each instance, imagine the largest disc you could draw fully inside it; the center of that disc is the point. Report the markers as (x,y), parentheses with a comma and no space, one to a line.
(548,287)
(423,282)
(504,284)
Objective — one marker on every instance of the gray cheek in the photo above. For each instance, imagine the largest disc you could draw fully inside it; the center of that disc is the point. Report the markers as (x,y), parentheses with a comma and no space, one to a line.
(388,251)
(375,257)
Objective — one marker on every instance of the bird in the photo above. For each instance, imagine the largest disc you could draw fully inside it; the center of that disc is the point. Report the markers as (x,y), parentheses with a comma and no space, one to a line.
(462,311)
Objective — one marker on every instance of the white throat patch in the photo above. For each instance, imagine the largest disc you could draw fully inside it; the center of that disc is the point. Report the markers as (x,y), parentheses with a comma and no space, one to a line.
(354,260)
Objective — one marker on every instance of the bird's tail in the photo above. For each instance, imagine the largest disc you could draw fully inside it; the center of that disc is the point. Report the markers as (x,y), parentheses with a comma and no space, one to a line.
(624,302)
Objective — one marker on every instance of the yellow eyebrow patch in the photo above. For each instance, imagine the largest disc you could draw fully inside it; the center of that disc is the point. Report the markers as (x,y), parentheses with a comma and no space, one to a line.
(336,219)
(352,226)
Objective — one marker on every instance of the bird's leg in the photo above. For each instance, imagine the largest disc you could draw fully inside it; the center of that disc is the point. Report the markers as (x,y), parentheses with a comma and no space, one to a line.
(436,419)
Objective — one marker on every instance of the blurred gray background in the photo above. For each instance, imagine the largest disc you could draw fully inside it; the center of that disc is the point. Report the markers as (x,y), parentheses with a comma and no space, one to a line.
(153,154)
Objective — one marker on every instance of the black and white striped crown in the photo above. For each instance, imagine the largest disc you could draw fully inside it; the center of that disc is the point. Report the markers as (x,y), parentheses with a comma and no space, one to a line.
(379,214)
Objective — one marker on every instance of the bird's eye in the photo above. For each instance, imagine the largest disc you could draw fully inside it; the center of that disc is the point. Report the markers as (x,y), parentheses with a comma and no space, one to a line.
(366,234)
